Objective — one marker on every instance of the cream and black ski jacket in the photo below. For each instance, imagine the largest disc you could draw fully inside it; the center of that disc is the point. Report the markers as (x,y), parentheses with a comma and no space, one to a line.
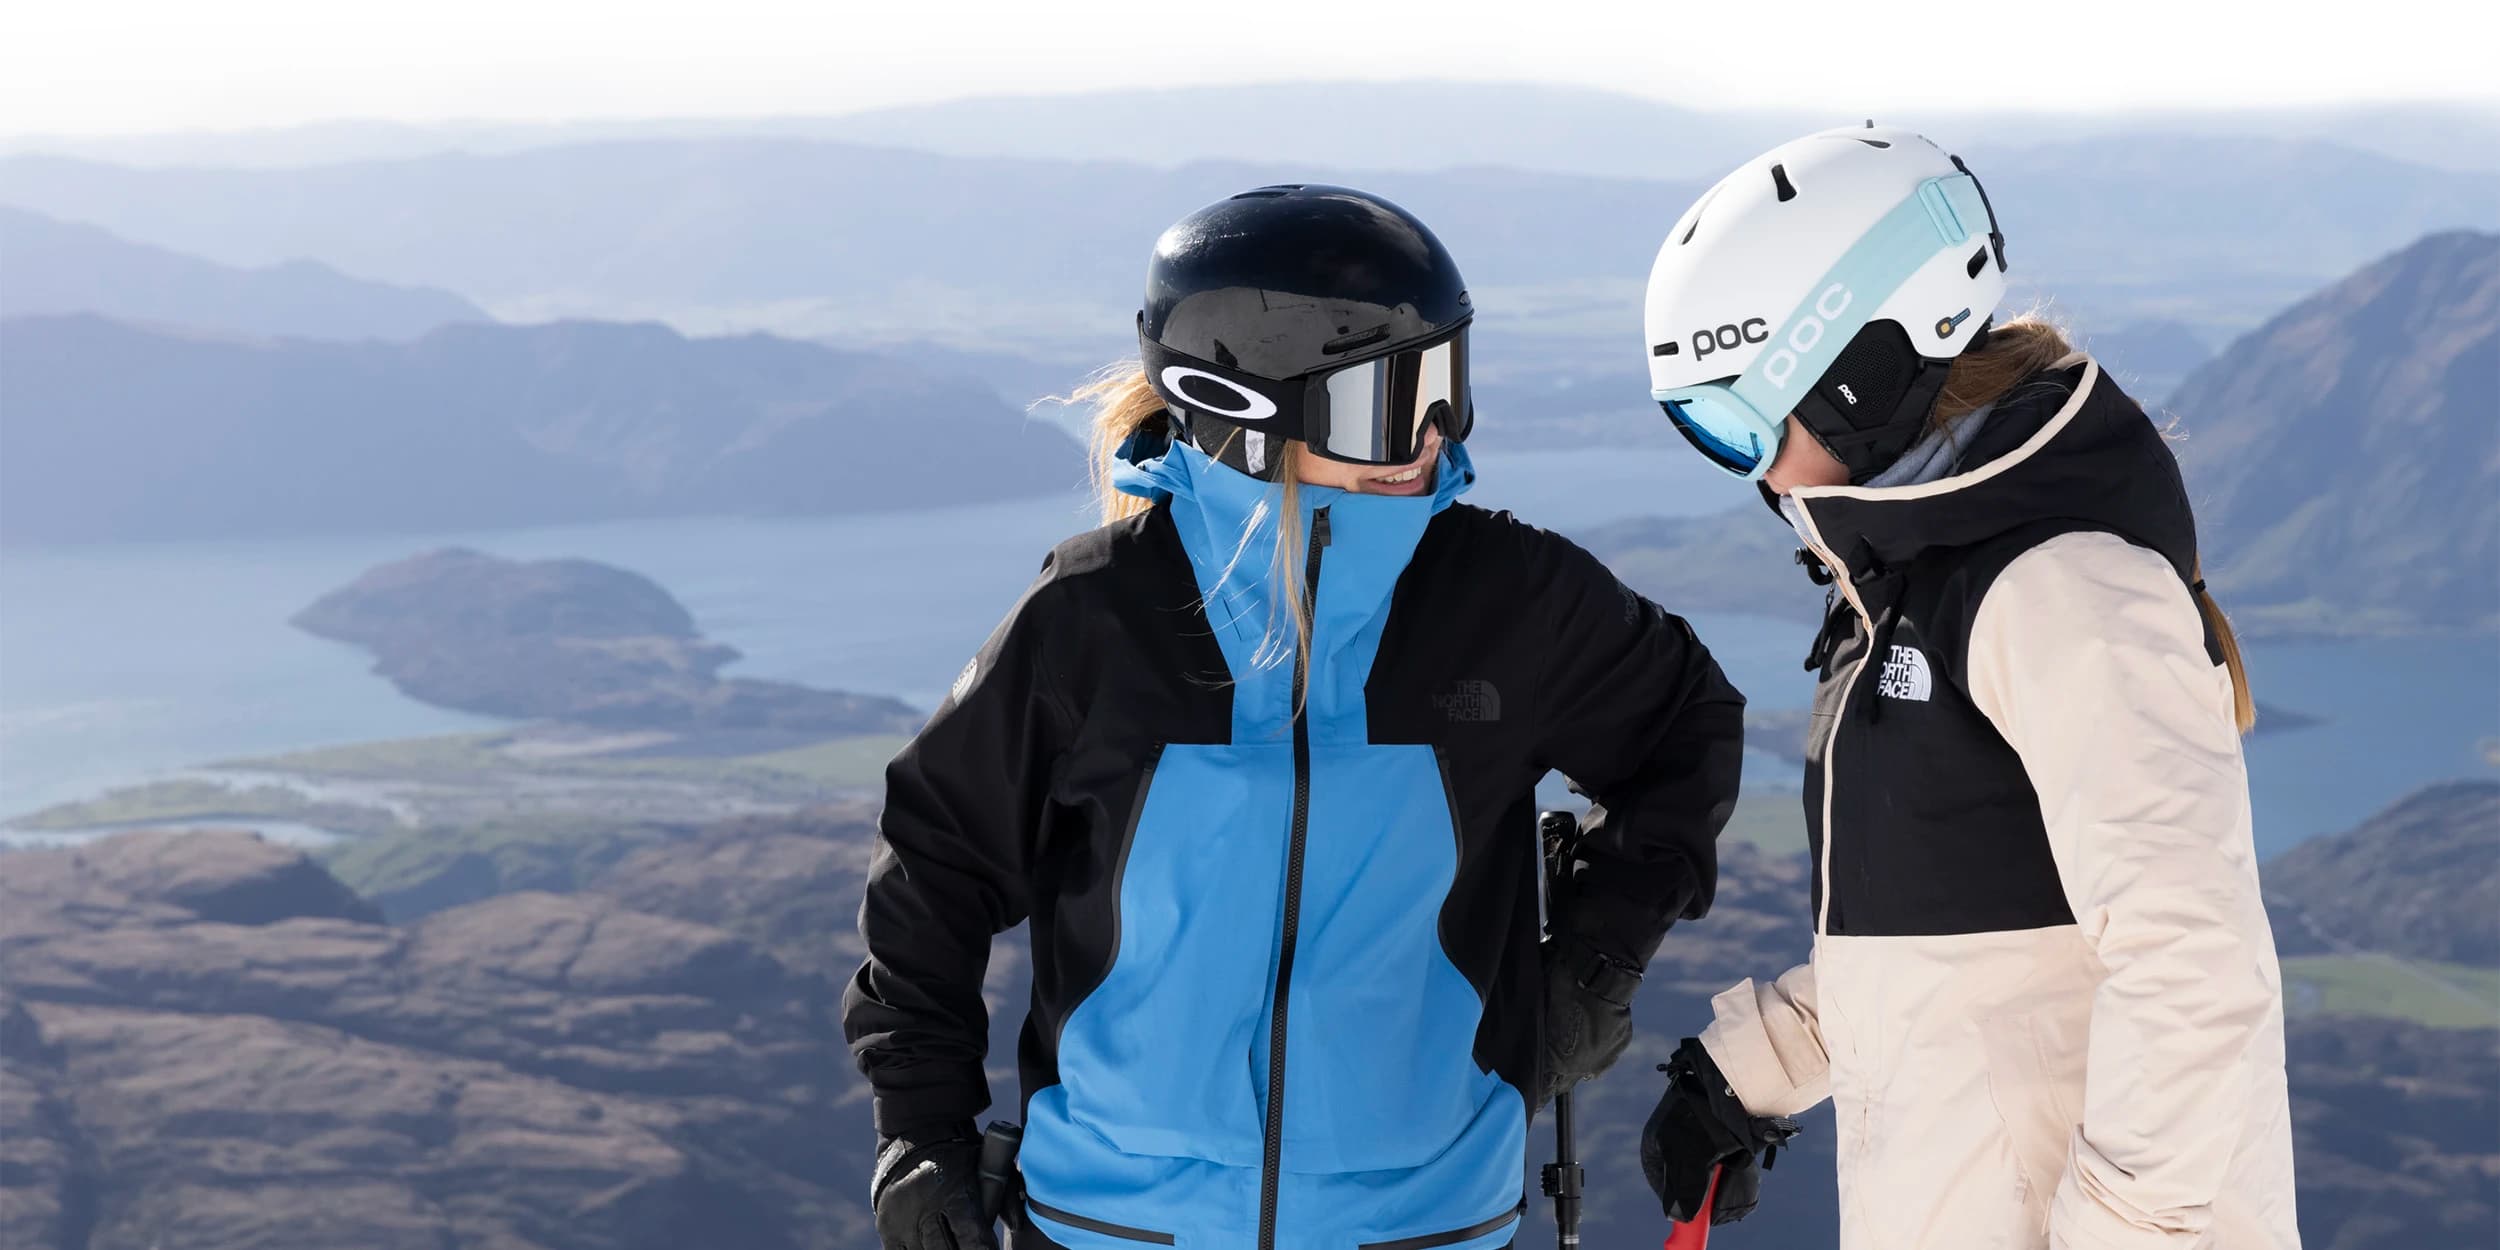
(2043,995)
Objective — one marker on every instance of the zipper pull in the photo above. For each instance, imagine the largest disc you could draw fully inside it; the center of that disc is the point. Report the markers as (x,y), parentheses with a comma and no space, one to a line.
(1319,527)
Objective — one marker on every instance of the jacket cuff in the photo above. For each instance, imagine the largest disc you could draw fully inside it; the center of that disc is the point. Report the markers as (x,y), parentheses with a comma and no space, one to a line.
(2085,1216)
(1741,1041)
(1623,911)
(926,1096)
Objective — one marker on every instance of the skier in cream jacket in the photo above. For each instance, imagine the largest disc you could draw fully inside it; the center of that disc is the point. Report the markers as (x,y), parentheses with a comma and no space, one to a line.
(2043,995)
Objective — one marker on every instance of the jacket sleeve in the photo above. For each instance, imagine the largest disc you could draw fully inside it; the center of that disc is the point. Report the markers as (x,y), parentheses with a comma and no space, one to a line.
(948,872)
(1634,711)
(2088,655)
(1768,1043)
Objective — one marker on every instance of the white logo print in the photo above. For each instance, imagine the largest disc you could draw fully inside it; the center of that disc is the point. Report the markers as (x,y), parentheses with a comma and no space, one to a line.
(1905,676)
(1253,407)
(1782,362)
(963,680)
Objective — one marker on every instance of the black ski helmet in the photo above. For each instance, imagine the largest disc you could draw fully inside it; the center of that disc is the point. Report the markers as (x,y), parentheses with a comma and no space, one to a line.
(1308,312)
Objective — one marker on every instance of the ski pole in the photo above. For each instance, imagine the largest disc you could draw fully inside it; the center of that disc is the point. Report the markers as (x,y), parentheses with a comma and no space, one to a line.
(1694,1234)
(1563,1177)
(1558,835)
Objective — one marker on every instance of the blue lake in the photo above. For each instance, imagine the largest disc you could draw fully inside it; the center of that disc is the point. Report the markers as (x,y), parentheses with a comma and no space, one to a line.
(122,661)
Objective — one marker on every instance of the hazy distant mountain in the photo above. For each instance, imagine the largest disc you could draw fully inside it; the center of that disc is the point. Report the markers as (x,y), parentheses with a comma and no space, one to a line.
(49,266)
(113,431)
(2149,358)
(827,238)
(815,237)
(1372,125)
(2415,880)
(1439,125)
(2345,457)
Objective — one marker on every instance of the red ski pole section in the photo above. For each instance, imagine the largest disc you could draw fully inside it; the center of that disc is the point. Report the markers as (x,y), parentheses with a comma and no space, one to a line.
(1694,1234)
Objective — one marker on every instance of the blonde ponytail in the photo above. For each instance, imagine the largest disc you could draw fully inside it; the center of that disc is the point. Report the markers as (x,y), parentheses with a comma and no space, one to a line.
(2243,702)
(1125,404)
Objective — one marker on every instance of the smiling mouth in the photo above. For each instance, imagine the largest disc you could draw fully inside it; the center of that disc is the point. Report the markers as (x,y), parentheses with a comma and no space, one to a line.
(1397,478)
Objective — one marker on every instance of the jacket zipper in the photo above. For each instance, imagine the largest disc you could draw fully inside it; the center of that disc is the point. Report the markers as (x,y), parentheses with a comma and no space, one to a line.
(1848,686)
(1273,1165)
(1860,1131)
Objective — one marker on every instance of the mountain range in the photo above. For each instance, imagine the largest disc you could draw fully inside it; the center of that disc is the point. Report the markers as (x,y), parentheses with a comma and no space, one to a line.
(2344,458)
(807,236)
(1408,124)
(49,266)
(113,431)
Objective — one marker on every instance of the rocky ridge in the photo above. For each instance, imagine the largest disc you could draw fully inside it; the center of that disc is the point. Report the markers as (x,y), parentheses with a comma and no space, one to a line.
(209,1039)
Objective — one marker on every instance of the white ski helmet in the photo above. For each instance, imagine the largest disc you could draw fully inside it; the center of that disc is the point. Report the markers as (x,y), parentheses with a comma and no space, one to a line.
(1836,277)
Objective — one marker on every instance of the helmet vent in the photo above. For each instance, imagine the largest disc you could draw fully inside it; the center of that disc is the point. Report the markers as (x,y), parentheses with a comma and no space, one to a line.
(1269,193)
(1978,261)
(1698,210)
(1873,143)
(1779,178)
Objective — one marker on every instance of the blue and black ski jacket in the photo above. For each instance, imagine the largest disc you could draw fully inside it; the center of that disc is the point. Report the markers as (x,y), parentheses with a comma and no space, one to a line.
(1286,993)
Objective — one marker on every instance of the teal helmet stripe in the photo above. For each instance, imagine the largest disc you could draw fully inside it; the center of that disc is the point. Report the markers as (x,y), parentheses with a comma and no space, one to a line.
(1847,296)
(1739,424)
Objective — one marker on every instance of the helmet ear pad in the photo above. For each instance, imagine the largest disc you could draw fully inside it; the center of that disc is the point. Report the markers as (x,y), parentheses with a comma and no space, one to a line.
(1874,401)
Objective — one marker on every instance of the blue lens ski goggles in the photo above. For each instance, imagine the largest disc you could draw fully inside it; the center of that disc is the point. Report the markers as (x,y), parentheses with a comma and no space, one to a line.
(1726,430)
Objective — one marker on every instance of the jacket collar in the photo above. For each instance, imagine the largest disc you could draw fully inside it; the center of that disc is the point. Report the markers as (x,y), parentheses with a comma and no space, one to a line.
(1227,522)
(2066,446)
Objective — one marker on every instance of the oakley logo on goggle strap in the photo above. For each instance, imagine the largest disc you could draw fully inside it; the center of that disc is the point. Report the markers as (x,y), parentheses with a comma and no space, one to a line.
(1239,403)
(1802,336)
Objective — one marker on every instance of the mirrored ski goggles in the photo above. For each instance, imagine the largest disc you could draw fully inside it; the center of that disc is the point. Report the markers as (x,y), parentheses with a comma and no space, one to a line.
(1726,430)
(1370,412)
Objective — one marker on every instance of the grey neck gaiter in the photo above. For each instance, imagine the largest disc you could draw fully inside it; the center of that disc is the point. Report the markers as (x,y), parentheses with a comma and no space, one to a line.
(1937,454)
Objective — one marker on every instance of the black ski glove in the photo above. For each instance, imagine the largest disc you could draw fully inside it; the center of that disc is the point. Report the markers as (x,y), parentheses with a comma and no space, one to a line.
(1588,1012)
(927,1192)
(1699,1127)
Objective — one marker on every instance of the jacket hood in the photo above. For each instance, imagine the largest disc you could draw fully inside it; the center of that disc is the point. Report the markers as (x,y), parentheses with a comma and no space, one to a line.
(2065,446)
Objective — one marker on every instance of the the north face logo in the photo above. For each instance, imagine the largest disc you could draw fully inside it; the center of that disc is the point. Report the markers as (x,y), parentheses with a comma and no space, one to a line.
(963,680)
(1905,676)
(1470,701)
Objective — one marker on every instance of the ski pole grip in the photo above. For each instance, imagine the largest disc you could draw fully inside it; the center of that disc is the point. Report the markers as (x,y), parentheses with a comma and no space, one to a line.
(998,1165)
(1694,1234)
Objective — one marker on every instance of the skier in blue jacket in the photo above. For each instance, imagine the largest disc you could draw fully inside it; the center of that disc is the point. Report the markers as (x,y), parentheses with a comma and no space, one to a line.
(1257,761)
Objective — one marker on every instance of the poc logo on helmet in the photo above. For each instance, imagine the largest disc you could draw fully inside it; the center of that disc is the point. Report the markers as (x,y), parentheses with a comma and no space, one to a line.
(1808,331)
(1729,337)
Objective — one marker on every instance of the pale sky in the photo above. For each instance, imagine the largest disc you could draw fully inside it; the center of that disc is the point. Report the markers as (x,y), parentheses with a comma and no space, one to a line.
(92,67)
